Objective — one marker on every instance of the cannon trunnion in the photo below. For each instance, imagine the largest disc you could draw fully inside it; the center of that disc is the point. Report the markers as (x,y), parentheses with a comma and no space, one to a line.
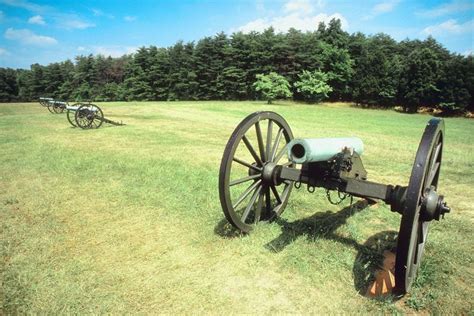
(259,169)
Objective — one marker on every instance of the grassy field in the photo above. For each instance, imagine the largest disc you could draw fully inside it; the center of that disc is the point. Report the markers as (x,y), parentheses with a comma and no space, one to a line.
(128,220)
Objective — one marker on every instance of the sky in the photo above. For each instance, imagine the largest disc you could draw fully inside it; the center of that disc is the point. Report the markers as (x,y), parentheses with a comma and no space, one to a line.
(46,31)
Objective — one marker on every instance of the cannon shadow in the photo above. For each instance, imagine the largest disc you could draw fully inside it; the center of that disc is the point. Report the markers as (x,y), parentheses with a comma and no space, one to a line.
(319,225)
(369,256)
(226,230)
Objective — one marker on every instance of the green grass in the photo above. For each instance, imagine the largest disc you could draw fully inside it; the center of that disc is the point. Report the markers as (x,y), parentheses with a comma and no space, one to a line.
(128,220)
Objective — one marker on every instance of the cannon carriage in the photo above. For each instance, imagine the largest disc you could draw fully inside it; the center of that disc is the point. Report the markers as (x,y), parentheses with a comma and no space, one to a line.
(262,163)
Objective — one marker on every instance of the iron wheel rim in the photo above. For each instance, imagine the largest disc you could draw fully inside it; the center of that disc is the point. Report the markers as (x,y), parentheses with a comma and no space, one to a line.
(413,231)
(259,204)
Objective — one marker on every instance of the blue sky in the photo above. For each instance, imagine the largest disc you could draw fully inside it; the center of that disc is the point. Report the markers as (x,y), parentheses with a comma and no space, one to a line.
(45,31)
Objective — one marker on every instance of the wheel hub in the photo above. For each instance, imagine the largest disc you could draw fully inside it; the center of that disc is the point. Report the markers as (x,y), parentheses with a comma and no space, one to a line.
(268,171)
(433,205)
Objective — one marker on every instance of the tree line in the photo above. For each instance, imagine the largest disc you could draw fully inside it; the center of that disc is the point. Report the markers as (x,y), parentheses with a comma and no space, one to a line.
(370,70)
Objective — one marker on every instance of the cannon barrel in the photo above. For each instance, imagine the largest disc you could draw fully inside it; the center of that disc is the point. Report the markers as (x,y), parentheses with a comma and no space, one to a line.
(304,150)
(72,108)
(57,102)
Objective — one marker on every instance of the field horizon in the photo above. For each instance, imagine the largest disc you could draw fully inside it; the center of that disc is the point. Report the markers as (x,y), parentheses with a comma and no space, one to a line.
(127,219)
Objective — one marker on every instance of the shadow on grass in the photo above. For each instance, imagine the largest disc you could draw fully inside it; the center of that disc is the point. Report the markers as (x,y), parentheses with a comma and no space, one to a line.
(319,225)
(323,225)
(226,230)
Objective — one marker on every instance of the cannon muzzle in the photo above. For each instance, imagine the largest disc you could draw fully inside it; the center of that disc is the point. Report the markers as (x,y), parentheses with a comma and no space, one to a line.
(303,150)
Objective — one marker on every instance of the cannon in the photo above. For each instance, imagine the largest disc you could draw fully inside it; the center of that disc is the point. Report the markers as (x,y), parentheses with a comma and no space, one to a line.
(53,106)
(87,116)
(262,162)
(44,101)
(57,107)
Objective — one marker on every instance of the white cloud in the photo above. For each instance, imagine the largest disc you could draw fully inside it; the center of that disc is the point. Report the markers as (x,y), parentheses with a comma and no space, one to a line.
(381,8)
(468,53)
(294,14)
(81,48)
(449,27)
(298,6)
(27,37)
(72,21)
(449,8)
(2,16)
(30,6)
(114,51)
(64,20)
(98,12)
(37,19)
(3,52)
(129,18)
(294,20)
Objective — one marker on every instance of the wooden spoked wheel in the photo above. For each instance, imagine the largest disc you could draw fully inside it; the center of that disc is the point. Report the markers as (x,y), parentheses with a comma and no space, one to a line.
(71,114)
(415,217)
(89,116)
(249,189)
(50,106)
(58,108)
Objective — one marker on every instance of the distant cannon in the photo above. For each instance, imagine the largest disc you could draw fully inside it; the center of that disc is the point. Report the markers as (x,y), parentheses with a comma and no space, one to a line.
(44,101)
(255,181)
(83,115)
(57,107)
(87,116)
(53,106)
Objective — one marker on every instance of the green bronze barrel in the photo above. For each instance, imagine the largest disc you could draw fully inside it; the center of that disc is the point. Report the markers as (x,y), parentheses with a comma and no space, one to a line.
(303,150)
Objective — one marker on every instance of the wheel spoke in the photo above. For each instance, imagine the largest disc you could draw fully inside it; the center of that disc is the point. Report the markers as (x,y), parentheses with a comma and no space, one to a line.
(275,193)
(242,180)
(286,191)
(418,246)
(275,145)
(280,154)
(246,164)
(252,151)
(260,141)
(432,174)
(437,151)
(284,195)
(246,193)
(251,203)
(269,140)
(258,210)
(268,199)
